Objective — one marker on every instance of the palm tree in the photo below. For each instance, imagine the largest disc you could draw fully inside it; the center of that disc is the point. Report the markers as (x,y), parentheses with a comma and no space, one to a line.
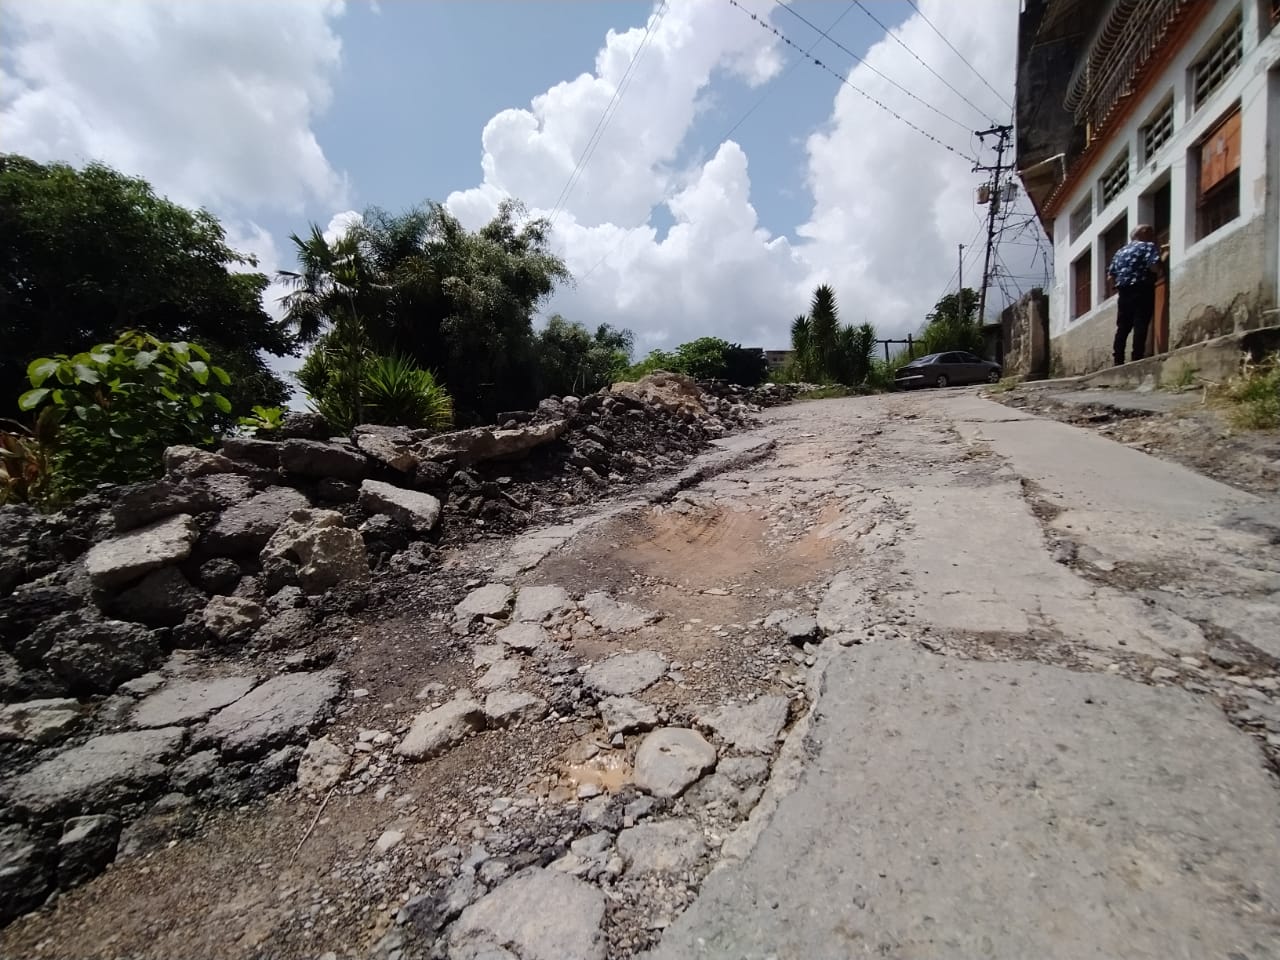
(824,327)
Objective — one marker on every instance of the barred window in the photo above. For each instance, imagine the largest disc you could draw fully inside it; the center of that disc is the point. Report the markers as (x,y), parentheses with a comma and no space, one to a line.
(1223,56)
(1157,131)
(1115,178)
(1081,217)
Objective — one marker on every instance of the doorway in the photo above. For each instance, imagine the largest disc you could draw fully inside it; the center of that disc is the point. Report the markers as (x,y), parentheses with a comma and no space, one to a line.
(1157,209)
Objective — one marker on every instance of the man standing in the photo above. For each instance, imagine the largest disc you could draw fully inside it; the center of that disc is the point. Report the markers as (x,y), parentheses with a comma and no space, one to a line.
(1134,269)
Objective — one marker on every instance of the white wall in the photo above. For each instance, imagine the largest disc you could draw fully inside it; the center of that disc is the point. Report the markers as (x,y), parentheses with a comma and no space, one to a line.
(1247,85)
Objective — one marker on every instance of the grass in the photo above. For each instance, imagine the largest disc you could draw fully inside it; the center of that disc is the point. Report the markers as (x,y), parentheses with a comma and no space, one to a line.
(1255,395)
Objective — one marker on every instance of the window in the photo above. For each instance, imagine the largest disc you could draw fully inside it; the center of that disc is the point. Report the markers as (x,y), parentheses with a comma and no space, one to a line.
(1081,217)
(1115,238)
(1157,131)
(1218,186)
(1219,60)
(1115,178)
(1082,282)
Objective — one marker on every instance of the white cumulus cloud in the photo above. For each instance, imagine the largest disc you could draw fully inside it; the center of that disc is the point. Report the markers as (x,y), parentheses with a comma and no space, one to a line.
(887,206)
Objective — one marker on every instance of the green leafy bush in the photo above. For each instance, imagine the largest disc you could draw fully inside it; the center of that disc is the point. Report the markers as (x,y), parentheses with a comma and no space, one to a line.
(392,391)
(1256,394)
(109,413)
(261,420)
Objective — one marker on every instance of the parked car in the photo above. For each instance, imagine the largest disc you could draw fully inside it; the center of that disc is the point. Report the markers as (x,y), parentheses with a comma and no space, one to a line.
(946,370)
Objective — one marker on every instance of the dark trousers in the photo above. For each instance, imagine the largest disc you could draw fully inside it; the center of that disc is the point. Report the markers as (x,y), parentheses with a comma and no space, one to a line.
(1134,309)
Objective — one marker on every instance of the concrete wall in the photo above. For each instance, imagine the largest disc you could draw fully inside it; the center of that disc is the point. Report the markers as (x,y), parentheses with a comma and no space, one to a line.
(1025,330)
(1223,282)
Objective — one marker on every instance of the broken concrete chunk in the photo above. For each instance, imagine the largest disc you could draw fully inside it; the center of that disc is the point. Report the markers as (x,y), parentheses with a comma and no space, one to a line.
(535,604)
(229,618)
(163,543)
(283,709)
(503,707)
(419,512)
(314,458)
(664,846)
(316,548)
(322,766)
(671,759)
(491,600)
(39,721)
(182,701)
(467,447)
(245,528)
(87,845)
(499,675)
(537,914)
(523,636)
(751,727)
(614,616)
(435,731)
(625,673)
(624,715)
(162,598)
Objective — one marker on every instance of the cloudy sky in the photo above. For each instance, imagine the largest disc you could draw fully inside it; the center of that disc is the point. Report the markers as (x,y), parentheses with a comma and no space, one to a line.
(730,174)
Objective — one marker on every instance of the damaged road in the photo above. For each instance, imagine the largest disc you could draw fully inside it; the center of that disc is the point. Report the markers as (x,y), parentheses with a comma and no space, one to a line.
(912,676)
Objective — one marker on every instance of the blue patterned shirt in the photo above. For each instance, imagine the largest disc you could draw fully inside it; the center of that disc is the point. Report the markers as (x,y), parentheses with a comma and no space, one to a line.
(1133,262)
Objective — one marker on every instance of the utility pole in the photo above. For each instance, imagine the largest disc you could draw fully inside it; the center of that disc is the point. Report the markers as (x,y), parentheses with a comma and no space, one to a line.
(960,273)
(1001,132)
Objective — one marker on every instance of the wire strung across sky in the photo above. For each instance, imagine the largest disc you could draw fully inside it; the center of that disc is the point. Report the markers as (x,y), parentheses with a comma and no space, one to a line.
(768,89)
(609,111)
(898,40)
(764,24)
(827,35)
(920,12)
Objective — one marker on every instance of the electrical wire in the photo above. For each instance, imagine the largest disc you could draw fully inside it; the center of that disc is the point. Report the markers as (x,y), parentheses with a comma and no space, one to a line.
(959,54)
(764,24)
(605,117)
(889,33)
(826,34)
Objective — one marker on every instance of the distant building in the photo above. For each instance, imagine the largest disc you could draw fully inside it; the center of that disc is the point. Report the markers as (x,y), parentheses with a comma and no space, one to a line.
(777,359)
(1164,112)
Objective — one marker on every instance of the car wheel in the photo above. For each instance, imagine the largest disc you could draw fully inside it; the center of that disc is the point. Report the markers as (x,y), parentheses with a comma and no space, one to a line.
(942,380)
(993,376)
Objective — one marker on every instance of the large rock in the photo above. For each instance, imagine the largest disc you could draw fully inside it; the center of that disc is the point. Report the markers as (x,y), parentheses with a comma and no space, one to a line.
(671,759)
(418,511)
(491,600)
(261,453)
(162,598)
(613,616)
(283,709)
(182,701)
(467,447)
(39,721)
(91,655)
(26,873)
(625,673)
(389,446)
(536,604)
(750,728)
(105,771)
(246,527)
(435,731)
(538,914)
(526,637)
(624,715)
(87,845)
(673,392)
(163,543)
(230,618)
(188,463)
(312,458)
(503,707)
(665,846)
(322,767)
(317,549)
(142,503)
(305,426)
(219,575)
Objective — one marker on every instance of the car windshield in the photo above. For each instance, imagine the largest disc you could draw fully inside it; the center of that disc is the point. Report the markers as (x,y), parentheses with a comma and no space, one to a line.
(931,358)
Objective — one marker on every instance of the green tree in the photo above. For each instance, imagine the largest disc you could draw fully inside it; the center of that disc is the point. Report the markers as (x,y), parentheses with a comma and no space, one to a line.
(88,254)
(824,329)
(572,360)
(952,324)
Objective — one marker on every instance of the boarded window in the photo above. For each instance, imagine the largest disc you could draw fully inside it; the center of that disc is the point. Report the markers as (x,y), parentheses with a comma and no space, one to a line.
(1223,56)
(1081,217)
(1115,178)
(1157,131)
(1082,283)
(1218,186)
(1115,238)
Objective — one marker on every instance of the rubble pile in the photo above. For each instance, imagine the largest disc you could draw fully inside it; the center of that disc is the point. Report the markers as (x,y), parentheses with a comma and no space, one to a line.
(250,549)
(764,395)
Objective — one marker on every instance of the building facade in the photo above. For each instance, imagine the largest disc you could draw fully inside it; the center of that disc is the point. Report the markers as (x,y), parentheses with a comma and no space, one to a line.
(1164,112)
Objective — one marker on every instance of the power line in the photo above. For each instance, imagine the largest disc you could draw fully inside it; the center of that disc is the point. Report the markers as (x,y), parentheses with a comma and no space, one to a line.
(764,24)
(889,33)
(826,34)
(610,109)
(960,55)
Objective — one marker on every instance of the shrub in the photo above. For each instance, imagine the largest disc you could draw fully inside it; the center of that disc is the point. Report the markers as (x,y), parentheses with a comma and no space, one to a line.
(107,415)
(261,420)
(1256,393)
(392,391)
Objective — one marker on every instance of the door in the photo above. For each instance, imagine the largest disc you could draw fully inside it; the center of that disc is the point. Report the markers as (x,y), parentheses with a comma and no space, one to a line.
(1158,336)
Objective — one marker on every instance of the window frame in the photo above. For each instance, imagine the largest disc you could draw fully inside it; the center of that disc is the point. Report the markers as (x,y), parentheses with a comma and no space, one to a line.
(1161,118)
(1082,266)
(1220,49)
(1110,179)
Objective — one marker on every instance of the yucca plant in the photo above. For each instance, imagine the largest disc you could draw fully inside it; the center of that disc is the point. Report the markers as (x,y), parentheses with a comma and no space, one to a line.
(396,391)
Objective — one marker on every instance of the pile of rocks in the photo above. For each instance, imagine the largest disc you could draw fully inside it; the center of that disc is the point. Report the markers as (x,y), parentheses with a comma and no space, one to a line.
(256,546)
(763,395)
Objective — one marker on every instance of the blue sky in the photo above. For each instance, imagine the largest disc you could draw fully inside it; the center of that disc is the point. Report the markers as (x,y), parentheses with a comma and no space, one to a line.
(275,113)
